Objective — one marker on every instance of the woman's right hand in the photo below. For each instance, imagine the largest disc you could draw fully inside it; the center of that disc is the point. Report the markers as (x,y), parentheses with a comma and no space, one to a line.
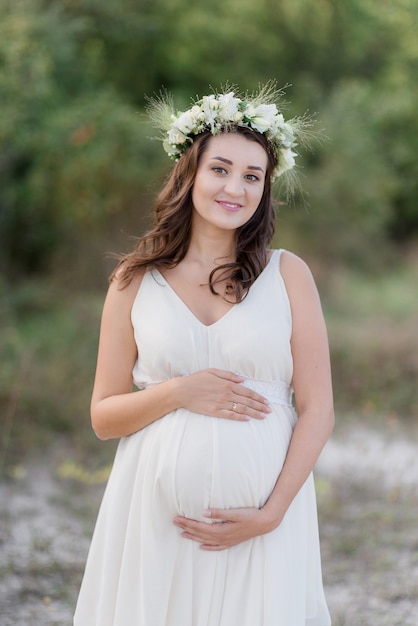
(219,393)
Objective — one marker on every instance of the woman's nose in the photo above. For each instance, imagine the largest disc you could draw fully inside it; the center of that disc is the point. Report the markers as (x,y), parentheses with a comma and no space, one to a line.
(234,186)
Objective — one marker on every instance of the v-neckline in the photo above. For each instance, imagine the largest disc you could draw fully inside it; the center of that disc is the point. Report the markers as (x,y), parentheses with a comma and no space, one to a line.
(189,310)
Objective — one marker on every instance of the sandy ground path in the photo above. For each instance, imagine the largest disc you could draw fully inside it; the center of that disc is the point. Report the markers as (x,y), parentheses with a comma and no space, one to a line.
(367,484)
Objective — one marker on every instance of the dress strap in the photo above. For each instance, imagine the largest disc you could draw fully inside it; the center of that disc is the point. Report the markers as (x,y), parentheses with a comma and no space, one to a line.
(277,256)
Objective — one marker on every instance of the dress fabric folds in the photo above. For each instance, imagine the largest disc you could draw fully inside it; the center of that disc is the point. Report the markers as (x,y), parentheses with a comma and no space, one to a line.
(140,571)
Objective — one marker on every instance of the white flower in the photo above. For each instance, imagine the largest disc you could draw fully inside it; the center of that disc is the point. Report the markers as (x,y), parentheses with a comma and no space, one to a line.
(171,150)
(277,125)
(260,124)
(196,113)
(209,108)
(287,136)
(286,161)
(228,106)
(210,102)
(267,111)
(174,137)
(238,117)
(263,117)
(185,123)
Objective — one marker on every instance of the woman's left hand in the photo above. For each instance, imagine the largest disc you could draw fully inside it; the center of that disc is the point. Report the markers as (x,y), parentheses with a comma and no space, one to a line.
(232,526)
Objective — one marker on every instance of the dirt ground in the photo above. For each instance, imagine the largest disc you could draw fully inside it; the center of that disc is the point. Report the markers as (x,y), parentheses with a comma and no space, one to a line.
(367,485)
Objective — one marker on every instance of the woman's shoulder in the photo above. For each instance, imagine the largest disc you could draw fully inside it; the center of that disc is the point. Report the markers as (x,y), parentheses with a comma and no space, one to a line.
(296,272)
(290,262)
(124,290)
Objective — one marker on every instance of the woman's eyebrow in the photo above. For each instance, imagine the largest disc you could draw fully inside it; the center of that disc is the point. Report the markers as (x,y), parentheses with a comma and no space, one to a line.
(228,162)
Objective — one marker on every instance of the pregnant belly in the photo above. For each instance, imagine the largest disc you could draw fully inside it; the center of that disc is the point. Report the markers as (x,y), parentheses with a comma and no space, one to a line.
(221,463)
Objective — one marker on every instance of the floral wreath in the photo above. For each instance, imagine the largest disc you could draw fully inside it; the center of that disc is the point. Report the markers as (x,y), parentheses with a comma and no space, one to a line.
(220,112)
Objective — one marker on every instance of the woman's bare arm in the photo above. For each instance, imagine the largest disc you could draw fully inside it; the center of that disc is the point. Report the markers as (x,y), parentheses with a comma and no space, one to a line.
(312,384)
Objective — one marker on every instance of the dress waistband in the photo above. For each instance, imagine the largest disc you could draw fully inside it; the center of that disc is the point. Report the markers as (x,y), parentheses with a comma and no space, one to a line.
(276,391)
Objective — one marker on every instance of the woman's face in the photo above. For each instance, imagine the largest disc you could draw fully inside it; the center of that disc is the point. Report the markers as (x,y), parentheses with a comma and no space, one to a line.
(229,182)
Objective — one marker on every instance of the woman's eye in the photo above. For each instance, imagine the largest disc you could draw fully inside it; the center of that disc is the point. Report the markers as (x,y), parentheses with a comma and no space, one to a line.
(219,170)
(252,177)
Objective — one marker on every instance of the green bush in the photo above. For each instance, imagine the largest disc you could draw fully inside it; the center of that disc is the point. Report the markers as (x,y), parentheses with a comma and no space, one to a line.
(73,152)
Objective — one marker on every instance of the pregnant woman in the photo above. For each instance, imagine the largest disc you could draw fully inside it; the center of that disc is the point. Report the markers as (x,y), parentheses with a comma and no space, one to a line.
(209,516)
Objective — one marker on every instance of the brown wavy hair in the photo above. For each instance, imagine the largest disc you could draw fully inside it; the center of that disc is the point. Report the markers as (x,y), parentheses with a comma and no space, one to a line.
(167,242)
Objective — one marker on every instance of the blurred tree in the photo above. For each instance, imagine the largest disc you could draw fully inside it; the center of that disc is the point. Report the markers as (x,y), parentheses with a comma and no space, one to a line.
(357,62)
(349,183)
(71,149)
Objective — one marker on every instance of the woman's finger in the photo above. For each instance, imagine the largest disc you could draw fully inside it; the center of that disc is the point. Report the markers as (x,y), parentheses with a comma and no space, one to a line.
(249,409)
(244,393)
(220,394)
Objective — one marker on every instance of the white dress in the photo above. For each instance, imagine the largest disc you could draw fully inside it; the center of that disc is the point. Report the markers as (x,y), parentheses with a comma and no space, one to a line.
(140,571)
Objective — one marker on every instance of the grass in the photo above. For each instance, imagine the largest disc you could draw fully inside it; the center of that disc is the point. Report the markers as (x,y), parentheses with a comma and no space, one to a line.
(372,325)
(369,546)
(47,360)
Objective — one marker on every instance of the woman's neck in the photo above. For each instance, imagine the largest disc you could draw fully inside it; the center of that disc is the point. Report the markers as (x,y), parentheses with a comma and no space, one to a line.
(212,250)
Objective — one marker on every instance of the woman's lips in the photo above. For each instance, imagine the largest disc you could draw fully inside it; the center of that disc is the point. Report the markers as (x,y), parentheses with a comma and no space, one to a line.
(229,206)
